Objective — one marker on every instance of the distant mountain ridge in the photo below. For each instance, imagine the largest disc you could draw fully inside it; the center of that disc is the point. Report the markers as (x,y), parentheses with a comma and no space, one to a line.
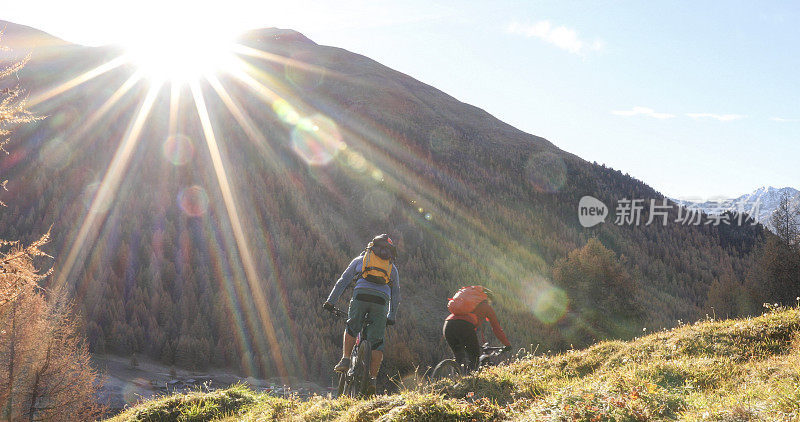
(760,204)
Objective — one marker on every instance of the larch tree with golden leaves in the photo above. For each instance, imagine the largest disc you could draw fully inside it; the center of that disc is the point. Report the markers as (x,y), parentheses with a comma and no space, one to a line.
(17,269)
(45,365)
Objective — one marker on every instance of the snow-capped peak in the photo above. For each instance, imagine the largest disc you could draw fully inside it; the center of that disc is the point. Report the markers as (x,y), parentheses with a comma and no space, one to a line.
(760,204)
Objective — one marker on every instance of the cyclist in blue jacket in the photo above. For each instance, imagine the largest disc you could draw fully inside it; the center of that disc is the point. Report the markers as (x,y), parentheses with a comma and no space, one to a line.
(376,291)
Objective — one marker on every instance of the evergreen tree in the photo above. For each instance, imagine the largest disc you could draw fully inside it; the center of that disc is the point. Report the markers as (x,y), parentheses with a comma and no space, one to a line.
(601,292)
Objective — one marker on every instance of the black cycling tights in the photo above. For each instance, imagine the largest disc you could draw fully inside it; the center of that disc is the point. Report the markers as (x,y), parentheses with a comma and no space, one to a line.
(463,339)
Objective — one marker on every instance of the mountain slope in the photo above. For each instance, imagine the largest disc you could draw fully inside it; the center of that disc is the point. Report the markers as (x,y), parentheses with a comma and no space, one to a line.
(24,38)
(712,370)
(202,250)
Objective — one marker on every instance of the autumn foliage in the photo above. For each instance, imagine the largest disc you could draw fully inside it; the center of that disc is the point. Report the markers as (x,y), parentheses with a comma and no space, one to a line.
(45,368)
(16,260)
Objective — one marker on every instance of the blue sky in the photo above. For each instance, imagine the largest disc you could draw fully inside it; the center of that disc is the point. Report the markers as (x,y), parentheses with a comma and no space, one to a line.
(697,99)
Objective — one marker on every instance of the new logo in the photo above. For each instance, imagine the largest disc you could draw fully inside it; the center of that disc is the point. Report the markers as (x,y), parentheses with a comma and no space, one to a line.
(591,211)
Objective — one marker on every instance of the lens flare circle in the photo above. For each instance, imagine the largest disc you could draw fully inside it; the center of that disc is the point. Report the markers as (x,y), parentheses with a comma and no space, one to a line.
(300,74)
(550,304)
(356,161)
(132,392)
(64,118)
(89,193)
(56,154)
(317,140)
(379,203)
(546,172)
(285,111)
(193,201)
(443,140)
(178,149)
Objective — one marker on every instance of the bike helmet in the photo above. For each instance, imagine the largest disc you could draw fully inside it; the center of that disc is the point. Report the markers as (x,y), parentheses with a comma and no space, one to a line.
(383,246)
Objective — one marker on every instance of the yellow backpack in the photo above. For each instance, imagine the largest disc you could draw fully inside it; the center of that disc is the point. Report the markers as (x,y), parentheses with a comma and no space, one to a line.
(374,268)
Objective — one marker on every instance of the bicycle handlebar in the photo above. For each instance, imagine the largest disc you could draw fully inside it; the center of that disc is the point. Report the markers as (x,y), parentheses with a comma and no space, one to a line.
(485,348)
(337,312)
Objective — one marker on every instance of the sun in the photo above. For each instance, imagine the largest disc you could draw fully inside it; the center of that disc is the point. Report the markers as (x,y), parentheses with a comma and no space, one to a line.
(181,49)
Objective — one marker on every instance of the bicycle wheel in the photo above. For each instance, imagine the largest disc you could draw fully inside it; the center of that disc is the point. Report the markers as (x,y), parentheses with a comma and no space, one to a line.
(359,377)
(447,368)
(365,356)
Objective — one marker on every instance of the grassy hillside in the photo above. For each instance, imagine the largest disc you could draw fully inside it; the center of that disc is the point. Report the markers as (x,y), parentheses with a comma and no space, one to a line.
(741,369)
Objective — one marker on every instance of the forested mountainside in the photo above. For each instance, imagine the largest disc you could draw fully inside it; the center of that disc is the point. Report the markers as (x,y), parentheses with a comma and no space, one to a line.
(200,258)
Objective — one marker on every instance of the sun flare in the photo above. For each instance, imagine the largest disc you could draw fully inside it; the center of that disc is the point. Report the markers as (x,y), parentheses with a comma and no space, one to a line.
(182,50)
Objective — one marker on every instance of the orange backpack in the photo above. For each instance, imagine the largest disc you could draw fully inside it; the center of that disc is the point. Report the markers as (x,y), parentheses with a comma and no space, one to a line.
(375,269)
(465,301)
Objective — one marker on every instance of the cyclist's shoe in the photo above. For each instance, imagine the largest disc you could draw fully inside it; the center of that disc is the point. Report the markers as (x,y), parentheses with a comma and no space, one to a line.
(343,365)
(371,387)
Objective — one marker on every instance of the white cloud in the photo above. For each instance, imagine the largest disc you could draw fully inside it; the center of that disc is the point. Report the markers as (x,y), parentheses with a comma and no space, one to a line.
(720,117)
(783,120)
(560,36)
(643,111)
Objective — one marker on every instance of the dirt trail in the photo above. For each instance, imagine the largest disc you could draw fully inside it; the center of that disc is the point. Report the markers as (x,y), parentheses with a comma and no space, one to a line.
(126,384)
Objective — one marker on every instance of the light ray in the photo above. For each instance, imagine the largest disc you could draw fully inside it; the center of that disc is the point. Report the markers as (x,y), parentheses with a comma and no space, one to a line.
(109,184)
(238,233)
(74,82)
(265,93)
(234,292)
(112,100)
(174,106)
(276,58)
(258,139)
(93,119)
(229,277)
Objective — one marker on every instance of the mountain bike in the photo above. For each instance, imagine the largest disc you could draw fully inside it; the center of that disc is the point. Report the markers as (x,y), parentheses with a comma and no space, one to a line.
(354,381)
(449,368)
